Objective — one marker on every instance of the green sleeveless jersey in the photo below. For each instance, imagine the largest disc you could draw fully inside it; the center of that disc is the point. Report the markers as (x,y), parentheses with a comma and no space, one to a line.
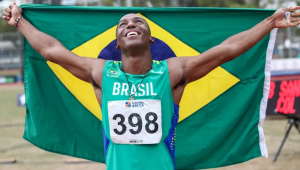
(139,134)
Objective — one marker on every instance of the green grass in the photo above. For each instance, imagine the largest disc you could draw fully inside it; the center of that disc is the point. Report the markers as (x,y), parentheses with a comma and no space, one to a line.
(29,157)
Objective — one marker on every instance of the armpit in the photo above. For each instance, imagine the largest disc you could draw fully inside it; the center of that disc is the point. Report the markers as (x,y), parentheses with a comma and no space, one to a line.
(180,83)
(95,84)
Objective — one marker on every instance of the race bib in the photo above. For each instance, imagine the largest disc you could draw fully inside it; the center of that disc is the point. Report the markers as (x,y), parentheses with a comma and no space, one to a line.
(135,121)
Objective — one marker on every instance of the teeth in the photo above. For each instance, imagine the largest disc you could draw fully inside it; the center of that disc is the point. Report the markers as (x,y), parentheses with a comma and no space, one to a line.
(132,33)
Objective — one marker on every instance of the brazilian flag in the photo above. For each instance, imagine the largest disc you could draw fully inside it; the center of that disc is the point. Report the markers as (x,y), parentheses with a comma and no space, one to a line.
(221,114)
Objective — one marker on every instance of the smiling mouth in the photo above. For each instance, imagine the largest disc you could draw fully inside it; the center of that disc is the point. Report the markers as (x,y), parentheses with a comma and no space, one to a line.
(132,34)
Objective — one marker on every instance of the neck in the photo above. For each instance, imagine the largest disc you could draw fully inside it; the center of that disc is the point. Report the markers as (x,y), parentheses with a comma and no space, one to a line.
(136,63)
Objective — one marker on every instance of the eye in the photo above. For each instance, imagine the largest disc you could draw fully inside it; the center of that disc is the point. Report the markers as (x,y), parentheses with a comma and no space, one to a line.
(140,21)
(122,24)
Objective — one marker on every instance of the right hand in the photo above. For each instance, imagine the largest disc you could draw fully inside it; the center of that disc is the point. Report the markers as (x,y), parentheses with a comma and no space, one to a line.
(11,13)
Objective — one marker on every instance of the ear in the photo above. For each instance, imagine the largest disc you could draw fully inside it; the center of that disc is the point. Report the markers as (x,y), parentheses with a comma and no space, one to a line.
(117,46)
(151,40)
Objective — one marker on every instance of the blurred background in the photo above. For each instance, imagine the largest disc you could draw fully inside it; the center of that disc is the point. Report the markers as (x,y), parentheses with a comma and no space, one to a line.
(282,131)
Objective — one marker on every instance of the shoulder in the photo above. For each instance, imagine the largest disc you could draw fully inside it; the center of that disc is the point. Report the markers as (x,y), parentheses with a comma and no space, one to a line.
(175,69)
(98,66)
(100,63)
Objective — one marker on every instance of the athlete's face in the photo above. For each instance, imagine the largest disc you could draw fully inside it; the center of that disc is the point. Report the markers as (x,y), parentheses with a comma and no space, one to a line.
(133,31)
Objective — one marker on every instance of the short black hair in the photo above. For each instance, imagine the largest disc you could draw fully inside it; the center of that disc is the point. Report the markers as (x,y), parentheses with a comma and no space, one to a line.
(141,18)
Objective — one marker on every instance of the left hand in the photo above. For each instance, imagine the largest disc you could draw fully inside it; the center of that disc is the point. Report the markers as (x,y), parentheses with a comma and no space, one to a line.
(280,20)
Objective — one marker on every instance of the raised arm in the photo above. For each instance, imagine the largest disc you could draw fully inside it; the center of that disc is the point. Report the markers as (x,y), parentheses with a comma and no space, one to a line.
(193,68)
(52,50)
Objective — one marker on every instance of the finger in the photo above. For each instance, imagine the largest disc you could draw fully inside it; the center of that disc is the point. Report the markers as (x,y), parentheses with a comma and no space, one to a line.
(295,14)
(6,14)
(6,18)
(14,5)
(295,19)
(11,5)
(295,8)
(294,24)
(8,10)
(291,9)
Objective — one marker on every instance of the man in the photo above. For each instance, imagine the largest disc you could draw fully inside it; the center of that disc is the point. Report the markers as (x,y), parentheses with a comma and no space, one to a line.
(139,98)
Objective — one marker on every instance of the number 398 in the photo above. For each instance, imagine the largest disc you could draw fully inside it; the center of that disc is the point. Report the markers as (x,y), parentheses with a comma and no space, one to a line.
(138,124)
